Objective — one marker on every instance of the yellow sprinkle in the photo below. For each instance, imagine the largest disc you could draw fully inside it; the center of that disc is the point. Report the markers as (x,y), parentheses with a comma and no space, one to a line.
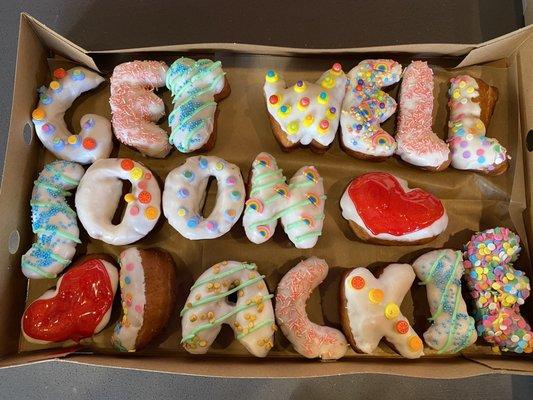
(136,173)
(198,296)
(54,85)
(193,318)
(375,296)
(202,343)
(129,197)
(391,311)
(72,139)
(308,120)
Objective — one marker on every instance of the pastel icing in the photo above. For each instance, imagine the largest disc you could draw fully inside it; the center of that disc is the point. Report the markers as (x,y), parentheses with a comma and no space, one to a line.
(366,106)
(194,85)
(471,148)
(132,286)
(307,111)
(373,309)
(185,192)
(136,108)
(94,141)
(100,191)
(251,316)
(299,204)
(452,329)
(77,308)
(498,289)
(309,339)
(416,141)
(53,221)
(387,209)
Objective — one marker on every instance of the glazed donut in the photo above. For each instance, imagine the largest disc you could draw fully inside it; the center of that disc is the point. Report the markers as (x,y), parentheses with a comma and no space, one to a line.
(306,113)
(309,339)
(78,307)
(366,106)
(99,192)
(382,209)
(299,205)
(417,144)
(498,290)
(148,292)
(471,105)
(53,221)
(196,88)
(207,308)
(185,192)
(452,329)
(136,108)
(94,141)
(370,310)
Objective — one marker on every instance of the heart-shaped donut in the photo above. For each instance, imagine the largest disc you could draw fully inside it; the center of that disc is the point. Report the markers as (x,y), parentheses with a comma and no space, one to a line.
(79,306)
(382,209)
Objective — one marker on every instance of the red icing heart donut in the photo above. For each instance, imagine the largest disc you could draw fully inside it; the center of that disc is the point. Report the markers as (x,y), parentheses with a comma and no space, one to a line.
(78,308)
(386,207)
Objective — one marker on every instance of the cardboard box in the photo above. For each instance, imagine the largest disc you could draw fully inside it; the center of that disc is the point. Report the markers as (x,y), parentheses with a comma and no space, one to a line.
(473,201)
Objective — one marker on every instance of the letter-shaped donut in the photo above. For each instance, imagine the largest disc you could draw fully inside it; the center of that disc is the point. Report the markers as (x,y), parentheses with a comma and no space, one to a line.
(309,339)
(94,141)
(366,106)
(498,289)
(185,193)
(136,108)
(196,88)
(148,292)
(417,143)
(251,317)
(99,192)
(370,310)
(306,113)
(452,329)
(471,105)
(299,205)
(53,221)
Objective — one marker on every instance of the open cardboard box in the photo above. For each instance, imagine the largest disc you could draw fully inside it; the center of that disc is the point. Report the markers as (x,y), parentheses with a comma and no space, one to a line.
(474,202)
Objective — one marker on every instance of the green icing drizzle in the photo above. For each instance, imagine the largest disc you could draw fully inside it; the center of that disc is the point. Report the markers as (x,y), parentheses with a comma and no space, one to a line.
(60,233)
(267,184)
(45,185)
(255,328)
(28,265)
(451,333)
(307,236)
(221,275)
(264,175)
(445,291)
(432,270)
(295,224)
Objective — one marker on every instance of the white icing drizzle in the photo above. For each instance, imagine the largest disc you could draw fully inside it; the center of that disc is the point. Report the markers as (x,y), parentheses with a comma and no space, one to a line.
(471,149)
(373,310)
(307,111)
(94,141)
(299,205)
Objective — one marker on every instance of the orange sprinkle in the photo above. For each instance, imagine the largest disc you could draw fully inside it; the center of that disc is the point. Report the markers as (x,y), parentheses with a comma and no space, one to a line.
(358,282)
(126,164)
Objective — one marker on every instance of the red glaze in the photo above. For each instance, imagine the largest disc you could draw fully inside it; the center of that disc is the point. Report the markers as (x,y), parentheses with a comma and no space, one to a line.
(385,207)
(85,294)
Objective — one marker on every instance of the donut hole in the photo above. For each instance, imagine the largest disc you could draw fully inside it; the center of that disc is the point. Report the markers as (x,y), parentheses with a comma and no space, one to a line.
(121,206)
(210,197)
(232,298)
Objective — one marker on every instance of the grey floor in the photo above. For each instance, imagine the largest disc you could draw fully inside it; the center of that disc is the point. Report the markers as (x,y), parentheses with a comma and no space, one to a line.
(99,24)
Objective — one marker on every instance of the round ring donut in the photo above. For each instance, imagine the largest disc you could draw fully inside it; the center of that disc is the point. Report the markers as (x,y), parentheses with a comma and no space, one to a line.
(185,192)
(100,190)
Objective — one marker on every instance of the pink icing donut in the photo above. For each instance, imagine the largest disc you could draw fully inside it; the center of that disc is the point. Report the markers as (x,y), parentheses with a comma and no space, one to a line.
(417,143)
(309,339)
(136,108)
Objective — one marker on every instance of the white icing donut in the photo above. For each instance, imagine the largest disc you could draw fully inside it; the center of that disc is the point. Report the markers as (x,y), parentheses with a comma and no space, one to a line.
(99,192)
(307,111)
(452,328)
(299,205)
(94,141)
(136,108)
(366,106)
(194,85)
(471,149)
(207,308)
(373,309)
(417,143)
(53,221)
(309,339)
(386,209)
(185,192)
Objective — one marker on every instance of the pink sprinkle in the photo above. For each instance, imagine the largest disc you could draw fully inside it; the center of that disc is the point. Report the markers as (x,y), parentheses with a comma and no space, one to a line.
(148,176)
(134,210)
(129,267)
(139,308)
(142,185)
(480,152)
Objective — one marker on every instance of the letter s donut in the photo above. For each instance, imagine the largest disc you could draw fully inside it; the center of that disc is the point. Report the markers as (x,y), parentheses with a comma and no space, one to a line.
(309,339)
(136,107)
(99,192)
(94,141)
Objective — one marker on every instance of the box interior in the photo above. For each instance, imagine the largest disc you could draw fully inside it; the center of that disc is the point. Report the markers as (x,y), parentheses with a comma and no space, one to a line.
(472,201)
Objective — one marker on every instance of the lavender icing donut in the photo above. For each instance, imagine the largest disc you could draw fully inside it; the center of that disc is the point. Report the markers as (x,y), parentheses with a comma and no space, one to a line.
(185,192)
(94,141)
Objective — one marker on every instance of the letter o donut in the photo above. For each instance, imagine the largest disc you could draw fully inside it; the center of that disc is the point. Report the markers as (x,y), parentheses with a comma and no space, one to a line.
(185,192)
(99,192)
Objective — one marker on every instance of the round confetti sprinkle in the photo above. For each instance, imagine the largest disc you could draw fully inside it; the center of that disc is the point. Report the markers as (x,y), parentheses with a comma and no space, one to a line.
(391,311)
(134,210)
(89,143)
(126,164)
(59,73)
(375,296)
(145,197)
(38,114)
(136,173)
(358,282)
(129,197)
(415,343)
(402,327)
(151,213)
